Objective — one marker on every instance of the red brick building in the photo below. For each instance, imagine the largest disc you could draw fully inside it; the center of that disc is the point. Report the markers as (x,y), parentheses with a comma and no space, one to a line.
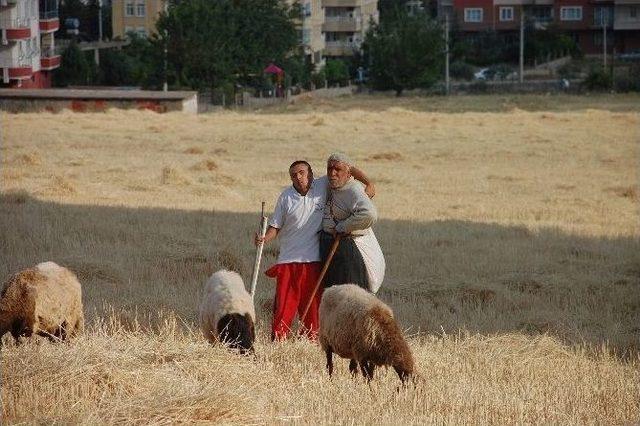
(27,44)
(580,19)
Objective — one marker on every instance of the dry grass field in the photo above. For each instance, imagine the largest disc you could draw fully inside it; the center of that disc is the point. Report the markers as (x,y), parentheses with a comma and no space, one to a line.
(510,227)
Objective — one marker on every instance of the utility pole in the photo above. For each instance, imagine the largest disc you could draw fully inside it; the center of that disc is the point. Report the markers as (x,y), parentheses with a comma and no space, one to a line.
(446,63)
(99,20)
(604,41)
(521,44)
(165,85)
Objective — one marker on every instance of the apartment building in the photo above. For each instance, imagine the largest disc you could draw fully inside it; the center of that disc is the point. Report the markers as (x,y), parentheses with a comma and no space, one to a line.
(626,25)
(335,28)
(583,20)
(27,44)
(138,16)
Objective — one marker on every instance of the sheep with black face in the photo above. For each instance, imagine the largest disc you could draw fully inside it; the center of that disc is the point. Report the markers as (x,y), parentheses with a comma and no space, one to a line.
(227,314)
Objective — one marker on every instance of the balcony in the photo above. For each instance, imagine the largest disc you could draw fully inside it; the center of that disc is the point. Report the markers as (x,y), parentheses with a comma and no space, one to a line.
(49,21)
(16,71)
(341,3)
(340,48)
(15,29)
(626,24)
(49,25)
(342,24)
(49,59)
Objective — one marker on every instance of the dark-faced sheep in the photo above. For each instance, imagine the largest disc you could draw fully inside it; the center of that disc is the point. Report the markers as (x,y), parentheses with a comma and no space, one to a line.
(45,300)
(227,314)
(356,325)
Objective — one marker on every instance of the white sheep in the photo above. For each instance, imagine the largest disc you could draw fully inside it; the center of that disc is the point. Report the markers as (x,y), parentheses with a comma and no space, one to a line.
(356,325)
(45,300)
(227,313)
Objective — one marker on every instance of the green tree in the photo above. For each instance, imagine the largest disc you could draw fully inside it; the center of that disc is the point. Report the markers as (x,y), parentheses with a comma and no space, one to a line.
(212,43)
(336,71)
(75,68)
(405,52)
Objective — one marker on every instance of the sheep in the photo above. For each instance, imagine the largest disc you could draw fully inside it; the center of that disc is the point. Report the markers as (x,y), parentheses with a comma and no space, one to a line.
(356,325)
(45,300)
(227,313)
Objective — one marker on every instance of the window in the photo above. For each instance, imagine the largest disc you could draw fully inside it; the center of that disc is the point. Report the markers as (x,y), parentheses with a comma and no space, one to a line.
(141,32)
(129,9)
(140,8)
(541,13)
(602,15)
(633,12)
(306,10)
(473,14)
(306,36)
(571,13)
(506,13)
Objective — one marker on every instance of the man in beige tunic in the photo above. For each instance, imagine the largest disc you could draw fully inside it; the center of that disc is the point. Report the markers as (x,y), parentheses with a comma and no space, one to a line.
(350,214)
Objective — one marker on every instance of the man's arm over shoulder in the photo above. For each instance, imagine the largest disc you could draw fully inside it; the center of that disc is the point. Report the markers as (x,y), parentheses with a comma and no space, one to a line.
(364,213)
(360,176)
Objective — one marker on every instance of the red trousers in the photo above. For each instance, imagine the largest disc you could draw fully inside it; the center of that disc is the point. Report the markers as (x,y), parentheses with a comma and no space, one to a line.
(295,283)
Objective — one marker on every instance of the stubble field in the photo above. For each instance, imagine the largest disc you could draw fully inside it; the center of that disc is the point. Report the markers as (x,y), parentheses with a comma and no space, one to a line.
(510,227)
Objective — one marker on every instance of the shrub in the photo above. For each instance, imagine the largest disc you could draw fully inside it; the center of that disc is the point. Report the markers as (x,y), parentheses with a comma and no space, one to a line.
(461,70)
(598,79)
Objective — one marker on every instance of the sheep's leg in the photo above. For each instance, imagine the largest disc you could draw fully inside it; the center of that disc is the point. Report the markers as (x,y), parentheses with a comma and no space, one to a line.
(329,352)
(367,368)
(353,367)
(19,328)
(404,376)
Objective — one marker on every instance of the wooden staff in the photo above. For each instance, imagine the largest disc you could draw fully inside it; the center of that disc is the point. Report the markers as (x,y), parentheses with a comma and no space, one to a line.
(334,247)
(256,265)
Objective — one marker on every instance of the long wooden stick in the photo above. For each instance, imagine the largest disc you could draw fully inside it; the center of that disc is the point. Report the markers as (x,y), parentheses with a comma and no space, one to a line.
(256,264)
(334,247)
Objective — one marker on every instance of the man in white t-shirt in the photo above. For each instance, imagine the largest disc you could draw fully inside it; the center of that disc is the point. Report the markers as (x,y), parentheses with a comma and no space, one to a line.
(296,221)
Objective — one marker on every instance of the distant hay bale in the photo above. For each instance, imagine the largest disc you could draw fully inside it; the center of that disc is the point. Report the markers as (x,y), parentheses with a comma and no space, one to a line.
(30,159)
(388,156)
(60,185)
(15,197)
(523,286)
(171,176)
(193,150)
(220,151)
(317,121)
(205,165)
(226,259)
(479,296)
(630,192)
(87,271)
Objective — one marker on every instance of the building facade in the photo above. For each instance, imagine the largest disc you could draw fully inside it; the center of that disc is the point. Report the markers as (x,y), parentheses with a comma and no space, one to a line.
(138,16)
(585,21)
(27,44)
(335,28)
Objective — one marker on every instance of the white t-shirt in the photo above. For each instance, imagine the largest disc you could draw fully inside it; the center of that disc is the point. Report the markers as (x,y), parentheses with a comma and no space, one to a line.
(299,218)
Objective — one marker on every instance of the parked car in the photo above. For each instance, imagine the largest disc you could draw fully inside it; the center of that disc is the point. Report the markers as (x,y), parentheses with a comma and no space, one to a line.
(631,56)
(496,72)
(483,74)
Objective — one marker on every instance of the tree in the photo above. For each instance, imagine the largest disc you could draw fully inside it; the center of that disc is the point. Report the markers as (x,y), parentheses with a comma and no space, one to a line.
(404,53)
(213,43)
(336,71)
(74,68)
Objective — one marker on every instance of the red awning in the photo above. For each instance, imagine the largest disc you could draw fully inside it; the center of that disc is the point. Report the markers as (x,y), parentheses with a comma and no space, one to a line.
(273,69)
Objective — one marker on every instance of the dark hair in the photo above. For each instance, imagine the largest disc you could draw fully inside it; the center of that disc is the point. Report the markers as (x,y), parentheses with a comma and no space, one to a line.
(295,163)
